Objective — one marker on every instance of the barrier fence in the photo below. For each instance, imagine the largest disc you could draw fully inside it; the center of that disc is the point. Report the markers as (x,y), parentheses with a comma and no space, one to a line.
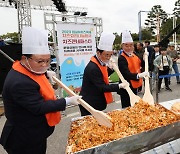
(156,79)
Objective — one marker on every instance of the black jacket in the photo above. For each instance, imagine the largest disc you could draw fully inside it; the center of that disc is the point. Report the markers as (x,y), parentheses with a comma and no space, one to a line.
(123,67)
(25,111)
(93,86)
(150,57)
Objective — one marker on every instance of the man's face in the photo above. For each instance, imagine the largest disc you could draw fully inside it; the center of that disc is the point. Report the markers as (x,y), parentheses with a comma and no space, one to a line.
(38,63)
(146,44)
(139,47)
(156,49)
(164,52)
(171,48)
(128,47)
(105,56)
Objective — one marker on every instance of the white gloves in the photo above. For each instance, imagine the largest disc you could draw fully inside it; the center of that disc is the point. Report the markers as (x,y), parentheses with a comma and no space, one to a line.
(124,85)
(72,100)
(110,63)
(143,74)
(50,74)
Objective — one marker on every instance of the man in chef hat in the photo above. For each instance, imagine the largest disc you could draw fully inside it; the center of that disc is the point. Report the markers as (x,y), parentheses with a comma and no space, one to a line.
(96,90)
(31,107)
(130,66)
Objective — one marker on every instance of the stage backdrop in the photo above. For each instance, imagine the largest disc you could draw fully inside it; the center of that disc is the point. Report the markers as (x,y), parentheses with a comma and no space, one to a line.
(76,45)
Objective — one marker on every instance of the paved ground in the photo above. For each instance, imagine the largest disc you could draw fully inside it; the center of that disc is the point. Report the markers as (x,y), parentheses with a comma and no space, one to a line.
(57,141)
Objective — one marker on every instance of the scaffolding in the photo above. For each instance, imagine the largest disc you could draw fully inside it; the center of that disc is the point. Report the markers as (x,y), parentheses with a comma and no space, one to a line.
(24,8)
(51,19)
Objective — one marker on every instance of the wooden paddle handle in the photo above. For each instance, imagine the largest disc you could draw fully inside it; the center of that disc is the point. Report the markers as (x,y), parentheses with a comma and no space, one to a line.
(133,98)
(122,78)
(147,93)
(146,70)
(146,60)
(147,88)
(118,72)
(71,93)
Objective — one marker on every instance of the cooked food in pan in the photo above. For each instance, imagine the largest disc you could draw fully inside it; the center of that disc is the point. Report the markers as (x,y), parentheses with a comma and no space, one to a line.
(86,132)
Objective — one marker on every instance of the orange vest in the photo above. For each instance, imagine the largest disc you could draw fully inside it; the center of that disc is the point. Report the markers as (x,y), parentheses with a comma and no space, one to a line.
(104,71)
(46,91)
(134,65)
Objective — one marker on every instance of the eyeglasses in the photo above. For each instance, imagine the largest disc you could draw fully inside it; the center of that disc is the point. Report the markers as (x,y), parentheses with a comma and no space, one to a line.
(41,61)
(107,55)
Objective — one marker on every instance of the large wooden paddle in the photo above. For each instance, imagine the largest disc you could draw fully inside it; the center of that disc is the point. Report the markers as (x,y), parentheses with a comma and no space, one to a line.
(101,117)
(133,98)
(147,94)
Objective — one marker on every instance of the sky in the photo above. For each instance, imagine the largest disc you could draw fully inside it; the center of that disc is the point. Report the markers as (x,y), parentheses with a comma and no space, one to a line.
(117,15)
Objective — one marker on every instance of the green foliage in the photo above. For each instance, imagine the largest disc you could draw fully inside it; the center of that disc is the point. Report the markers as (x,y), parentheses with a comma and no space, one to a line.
(117,39)
(155,16)
(11,36)
(166,27)
(117,46)
(158,16)
(117,42)
(146,34)
(176,10)
(135,37)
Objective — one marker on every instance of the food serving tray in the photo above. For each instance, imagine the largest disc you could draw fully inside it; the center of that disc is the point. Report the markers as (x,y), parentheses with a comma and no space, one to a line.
(137,143)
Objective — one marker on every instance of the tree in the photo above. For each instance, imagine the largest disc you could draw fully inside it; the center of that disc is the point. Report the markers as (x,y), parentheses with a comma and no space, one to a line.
(167,27)
(135,37)
(117,39)
(146,34)
(156,16)
(176,10)
(117,42)
(11,36)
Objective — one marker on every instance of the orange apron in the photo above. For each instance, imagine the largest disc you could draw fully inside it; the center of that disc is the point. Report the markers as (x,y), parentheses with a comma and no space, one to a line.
(108,95)
(134,65)
(46,91)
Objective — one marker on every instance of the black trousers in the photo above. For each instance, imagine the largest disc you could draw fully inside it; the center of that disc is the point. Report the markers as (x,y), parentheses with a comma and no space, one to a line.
(166,80)
(125,99)
(37,149)
(83,111)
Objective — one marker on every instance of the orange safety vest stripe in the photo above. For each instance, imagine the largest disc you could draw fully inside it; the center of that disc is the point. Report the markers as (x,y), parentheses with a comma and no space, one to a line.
(134,65)
(108,95)
(46,91)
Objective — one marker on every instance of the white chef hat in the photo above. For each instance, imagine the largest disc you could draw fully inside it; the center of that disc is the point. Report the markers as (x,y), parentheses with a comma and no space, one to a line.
(106,41)
(34,41)
(126,37)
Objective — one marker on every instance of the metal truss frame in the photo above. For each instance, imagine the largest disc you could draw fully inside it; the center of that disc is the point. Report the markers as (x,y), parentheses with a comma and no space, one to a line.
(51,19)
(24,16)
(24,8)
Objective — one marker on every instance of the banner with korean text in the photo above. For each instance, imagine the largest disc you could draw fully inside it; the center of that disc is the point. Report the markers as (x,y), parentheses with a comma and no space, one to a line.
(76,45)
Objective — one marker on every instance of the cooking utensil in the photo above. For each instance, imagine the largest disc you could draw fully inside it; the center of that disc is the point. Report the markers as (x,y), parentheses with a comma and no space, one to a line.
(147,97)
(133,98)
(101,117)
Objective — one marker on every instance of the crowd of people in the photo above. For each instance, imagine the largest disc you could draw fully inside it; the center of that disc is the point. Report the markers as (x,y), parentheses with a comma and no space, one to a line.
(31,108)
(162,62)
